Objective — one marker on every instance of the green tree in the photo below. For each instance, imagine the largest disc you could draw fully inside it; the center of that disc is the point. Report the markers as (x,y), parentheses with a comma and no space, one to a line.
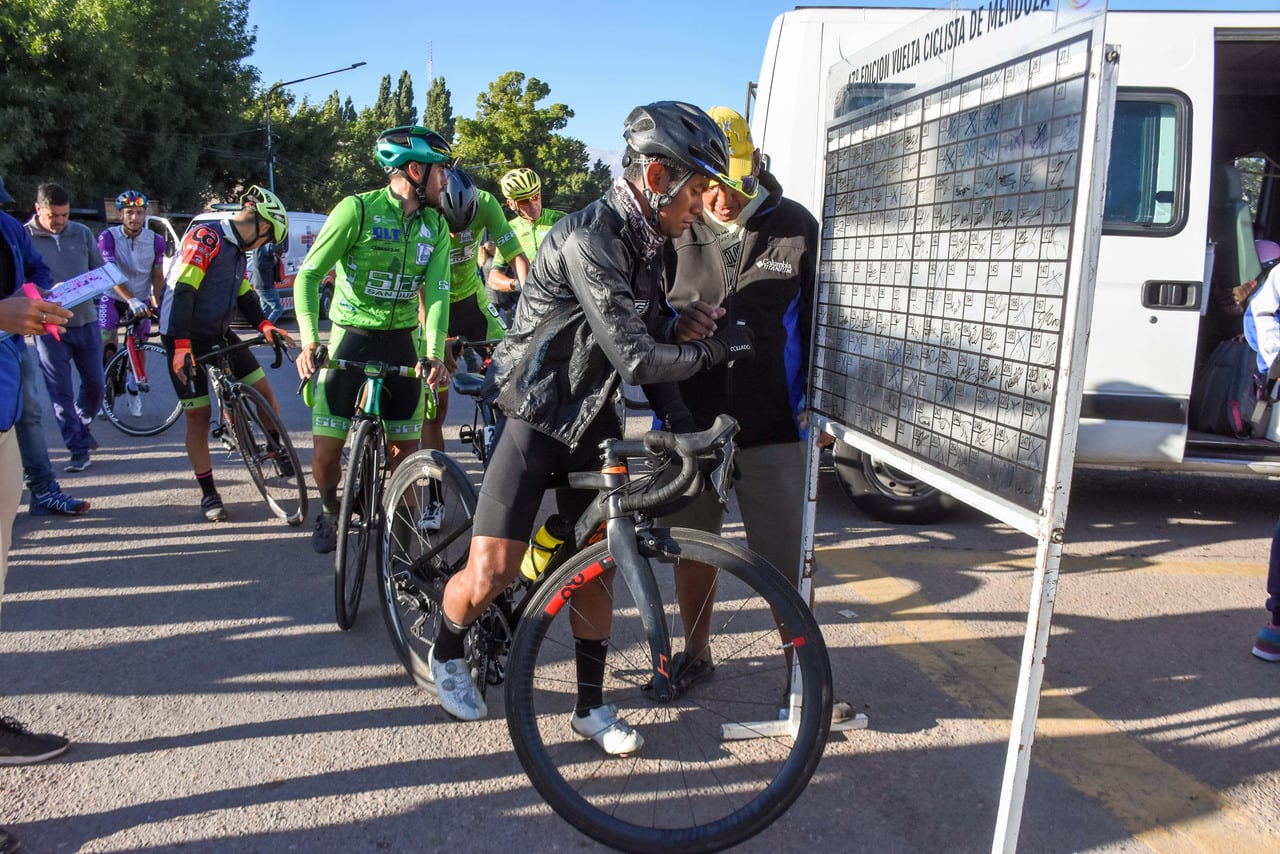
(168,121)
(439,112)
(511,130)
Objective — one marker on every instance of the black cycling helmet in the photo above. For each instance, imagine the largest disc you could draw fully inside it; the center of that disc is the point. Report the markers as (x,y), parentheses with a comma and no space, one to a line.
(679,134)
(459,201)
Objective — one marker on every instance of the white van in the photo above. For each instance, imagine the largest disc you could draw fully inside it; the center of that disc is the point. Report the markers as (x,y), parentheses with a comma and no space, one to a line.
(303,228)
(1197,118)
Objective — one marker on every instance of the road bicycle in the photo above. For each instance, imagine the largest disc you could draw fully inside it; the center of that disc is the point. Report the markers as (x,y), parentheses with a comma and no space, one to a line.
(360,508)
(481,433)
(249,427)
(140,399)
(719,762)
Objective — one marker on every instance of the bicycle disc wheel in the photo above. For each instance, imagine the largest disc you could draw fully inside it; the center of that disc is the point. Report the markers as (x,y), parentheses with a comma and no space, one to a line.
(140,406)
(686,788)
(358,521)
(268,453)
(429,505)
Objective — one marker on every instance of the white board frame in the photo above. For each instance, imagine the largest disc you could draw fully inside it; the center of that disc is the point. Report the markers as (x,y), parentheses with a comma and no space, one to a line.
(1046,520)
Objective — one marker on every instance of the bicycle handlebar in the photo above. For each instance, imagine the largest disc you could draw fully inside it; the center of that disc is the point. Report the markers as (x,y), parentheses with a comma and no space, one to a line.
(277,344)
(689,447)
(460,344)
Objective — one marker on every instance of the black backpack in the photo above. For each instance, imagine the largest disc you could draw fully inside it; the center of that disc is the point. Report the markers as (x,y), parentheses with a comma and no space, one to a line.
(1227,394)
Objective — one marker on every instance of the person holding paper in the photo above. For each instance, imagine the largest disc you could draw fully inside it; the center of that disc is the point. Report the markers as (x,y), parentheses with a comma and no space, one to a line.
(69,248)
(19,316)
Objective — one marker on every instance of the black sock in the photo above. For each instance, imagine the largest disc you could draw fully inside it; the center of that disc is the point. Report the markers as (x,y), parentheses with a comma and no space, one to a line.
(589,656)
(450,640)
(207,489)
(329,500)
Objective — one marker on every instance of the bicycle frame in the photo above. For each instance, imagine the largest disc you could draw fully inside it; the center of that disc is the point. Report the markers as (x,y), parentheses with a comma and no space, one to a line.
(134,335)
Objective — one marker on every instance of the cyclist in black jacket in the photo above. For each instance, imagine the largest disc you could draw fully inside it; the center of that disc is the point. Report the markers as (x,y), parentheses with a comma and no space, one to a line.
(589,318)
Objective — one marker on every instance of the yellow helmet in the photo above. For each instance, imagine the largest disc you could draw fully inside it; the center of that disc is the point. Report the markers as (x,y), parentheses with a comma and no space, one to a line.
(521,183)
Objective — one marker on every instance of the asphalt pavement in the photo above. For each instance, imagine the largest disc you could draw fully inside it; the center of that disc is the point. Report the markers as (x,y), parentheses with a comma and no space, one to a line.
(214,705)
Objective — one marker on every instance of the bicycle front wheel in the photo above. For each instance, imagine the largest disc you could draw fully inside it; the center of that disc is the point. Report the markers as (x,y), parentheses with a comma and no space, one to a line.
(426,538)
(145,404)
(358,520)
(268,453)
(686,788)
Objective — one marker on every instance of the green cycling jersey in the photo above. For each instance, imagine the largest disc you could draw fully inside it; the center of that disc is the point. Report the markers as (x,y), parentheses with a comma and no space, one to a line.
(382,262)
(530,234)
(464,276)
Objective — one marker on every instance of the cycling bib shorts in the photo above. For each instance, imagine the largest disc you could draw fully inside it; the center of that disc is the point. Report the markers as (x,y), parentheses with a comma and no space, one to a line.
(336,391)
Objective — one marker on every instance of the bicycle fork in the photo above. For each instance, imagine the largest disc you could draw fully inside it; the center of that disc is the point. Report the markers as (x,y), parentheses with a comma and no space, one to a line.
(642,583)
(138,364)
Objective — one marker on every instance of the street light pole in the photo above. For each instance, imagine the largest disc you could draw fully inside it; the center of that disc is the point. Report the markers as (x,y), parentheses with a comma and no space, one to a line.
(271,157)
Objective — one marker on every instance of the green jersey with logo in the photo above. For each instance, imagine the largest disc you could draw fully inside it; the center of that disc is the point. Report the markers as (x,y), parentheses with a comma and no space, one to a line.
(382,261)
(464,275)
(530,234)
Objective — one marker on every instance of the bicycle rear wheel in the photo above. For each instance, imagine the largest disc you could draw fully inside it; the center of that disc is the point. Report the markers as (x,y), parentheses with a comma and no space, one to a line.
(358,520)
(686,788)
(426,538)
(268,453)
(140,406)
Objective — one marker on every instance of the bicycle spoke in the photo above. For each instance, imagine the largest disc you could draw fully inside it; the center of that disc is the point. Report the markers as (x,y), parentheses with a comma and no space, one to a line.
(686,787)
(269,456)
(140,406)
(427,534)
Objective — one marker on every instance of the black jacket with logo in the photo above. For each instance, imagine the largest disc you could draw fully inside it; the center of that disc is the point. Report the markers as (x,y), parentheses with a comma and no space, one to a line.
(773,296)
(587,317)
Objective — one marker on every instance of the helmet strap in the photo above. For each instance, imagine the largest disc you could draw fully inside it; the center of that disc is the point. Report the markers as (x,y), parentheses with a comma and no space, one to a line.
(657,201)
(419,187)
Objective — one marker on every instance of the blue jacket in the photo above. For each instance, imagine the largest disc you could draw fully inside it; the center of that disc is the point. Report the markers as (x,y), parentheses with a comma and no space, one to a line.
(28,266)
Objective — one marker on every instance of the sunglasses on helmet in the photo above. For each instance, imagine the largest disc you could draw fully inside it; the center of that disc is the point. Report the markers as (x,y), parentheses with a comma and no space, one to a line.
(746,185)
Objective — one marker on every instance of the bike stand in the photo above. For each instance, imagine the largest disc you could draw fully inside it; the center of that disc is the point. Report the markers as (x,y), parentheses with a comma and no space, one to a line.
(843,718)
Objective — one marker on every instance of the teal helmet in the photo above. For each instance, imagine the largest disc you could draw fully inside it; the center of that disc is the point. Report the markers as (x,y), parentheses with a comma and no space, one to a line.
(408,144)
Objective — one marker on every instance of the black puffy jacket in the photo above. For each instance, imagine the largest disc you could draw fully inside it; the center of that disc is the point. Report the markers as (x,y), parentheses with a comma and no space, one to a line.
(588,315)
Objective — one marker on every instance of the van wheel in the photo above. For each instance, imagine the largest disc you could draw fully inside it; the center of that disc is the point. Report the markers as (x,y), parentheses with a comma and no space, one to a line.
(885,493)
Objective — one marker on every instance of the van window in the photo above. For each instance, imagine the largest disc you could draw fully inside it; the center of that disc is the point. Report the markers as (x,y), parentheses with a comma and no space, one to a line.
(1146,178)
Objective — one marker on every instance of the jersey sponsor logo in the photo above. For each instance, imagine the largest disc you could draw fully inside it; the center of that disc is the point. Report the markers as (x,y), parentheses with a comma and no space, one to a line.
(425,251)
(392,286)
(381,233)
(781,267)
(443,285)
(504,238)
(425,233)
(642,305)
(332,422)
(458,254)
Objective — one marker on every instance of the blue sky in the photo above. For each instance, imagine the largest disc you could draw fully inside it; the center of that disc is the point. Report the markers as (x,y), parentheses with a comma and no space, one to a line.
(601,58)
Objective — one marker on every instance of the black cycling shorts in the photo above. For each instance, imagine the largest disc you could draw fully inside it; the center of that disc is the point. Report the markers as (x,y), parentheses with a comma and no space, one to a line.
(244,367)
(401,396)
(467,319)
(525,464)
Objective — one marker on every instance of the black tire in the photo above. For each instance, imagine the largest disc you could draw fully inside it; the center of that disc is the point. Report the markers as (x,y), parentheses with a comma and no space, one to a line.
(685,789)
(885,493)
(268,453)
(159,404)
(359,520)
(416,561)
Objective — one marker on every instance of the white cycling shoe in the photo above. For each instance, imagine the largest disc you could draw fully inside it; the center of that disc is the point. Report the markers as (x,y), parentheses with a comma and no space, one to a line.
(456,690)
(603,726)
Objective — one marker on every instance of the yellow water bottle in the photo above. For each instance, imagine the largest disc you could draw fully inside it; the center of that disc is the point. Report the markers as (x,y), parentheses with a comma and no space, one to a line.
(545,543)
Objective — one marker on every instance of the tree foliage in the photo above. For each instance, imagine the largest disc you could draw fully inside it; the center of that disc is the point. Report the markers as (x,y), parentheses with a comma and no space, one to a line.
(158,95)
(168,119)
(439,112)
(511,130)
